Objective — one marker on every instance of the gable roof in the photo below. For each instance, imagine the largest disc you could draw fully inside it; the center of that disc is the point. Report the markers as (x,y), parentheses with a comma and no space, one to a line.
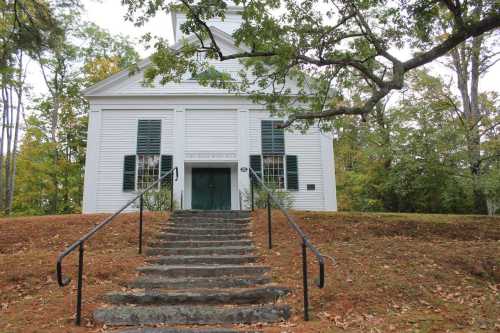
(126,73)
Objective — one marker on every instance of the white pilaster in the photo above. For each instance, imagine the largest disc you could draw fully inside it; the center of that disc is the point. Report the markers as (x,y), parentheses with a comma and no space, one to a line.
(179,138)
(328,168)
(89,204)
(243,152)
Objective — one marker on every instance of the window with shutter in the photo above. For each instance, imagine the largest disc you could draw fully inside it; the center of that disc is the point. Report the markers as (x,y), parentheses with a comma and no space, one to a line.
(272,137)
(292,173)
(129,173)
(166,166)
(148,137)
(148,152)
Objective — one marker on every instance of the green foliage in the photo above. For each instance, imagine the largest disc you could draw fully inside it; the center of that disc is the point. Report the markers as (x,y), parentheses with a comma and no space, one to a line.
(412,156)
(51,159)
(338,55)
(285,198)
(158,200)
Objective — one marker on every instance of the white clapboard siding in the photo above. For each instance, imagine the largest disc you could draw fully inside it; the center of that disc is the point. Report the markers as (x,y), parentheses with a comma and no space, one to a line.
(307,147)
(211,131)
(254,138)
(118,137)
(208,126)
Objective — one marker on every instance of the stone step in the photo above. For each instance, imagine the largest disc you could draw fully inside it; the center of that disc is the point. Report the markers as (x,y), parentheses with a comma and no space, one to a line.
(257,295)
(207,231)
(203,271)
(204,225)
(184,330)
(165,251)
(213,213)
(144,315)
(206,260)
(184,237)
(183,244)
(156,282)
(208,219)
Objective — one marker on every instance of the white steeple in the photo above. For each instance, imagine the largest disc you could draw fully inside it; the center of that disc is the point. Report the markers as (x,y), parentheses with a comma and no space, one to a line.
(231,22)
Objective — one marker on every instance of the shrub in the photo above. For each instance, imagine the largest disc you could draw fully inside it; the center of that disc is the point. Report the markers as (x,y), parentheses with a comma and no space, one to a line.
(284,198)
(157,200)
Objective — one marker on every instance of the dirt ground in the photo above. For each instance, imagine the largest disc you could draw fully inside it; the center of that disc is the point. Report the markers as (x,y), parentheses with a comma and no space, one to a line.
(384,272)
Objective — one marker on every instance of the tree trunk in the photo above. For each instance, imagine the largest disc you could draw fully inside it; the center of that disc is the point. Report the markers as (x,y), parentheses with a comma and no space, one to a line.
(5,102)
(8,155)
(467,66)
(475,118)
(53,134)
(54,86)
(19,93)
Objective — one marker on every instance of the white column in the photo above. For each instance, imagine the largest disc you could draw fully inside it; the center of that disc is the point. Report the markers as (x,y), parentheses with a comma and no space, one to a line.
(92,161)
(179,118)
(243,152)
(328,167)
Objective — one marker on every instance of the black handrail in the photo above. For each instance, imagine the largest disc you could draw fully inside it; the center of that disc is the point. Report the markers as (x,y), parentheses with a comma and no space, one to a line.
(64,281)
(305,241)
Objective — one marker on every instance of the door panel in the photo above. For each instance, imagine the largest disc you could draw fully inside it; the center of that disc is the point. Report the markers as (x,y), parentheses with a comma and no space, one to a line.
(211,188)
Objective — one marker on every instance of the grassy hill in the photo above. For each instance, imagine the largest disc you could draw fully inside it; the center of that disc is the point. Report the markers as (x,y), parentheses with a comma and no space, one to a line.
(385,272)
(393,272)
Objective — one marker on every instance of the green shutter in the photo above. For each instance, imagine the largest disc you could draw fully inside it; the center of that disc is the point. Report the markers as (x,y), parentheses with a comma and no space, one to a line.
(166,166)
(256,165)
(292,174)
(148,137)
(272,138)
(129,173)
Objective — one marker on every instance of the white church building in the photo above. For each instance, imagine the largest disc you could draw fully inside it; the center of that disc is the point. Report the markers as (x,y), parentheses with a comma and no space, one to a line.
(136,132)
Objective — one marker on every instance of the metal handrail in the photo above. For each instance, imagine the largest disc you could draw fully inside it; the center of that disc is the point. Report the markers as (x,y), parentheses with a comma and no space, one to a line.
(305,241)
(64,281)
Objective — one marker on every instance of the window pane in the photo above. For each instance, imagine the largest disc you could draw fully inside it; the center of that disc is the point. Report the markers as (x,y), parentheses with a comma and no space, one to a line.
(148,170)
(273,171)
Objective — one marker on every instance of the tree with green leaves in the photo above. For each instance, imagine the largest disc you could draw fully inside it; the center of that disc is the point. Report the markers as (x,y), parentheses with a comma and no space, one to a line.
(327,48)
(26,26)
(470,61)
(411,154)
(52,153)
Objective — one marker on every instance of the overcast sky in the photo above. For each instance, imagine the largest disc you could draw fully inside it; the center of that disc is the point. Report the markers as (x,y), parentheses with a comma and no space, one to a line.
(109,14)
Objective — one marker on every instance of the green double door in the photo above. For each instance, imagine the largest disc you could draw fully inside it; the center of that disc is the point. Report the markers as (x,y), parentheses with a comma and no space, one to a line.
(211,188)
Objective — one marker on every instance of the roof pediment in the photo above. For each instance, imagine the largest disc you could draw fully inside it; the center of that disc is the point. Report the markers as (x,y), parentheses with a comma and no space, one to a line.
(126,82)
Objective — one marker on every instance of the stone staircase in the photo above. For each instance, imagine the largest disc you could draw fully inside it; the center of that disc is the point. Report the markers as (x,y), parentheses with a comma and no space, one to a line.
(201,270)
